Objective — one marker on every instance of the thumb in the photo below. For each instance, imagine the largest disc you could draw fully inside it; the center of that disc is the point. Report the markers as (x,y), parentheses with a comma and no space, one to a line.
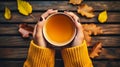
(79,36)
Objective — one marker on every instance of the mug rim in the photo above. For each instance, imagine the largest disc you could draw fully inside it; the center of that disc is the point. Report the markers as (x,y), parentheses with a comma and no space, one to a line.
(53,42)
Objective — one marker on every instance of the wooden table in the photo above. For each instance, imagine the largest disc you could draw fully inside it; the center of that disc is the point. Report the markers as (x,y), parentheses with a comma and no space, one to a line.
(13,48)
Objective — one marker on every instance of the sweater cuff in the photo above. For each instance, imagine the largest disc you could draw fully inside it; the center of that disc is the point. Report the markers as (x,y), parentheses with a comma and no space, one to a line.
(76,56)
(39,56)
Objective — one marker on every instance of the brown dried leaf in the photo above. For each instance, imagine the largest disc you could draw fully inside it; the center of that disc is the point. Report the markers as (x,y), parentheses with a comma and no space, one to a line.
(96,50)
(25,30)
(87,38)
(75,1)
(85,10)
(92,29)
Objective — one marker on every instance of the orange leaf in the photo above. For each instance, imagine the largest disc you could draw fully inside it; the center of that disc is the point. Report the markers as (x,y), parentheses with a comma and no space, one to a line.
(85,10)
(25,30)
(96,50)
(75,1)
(92,29)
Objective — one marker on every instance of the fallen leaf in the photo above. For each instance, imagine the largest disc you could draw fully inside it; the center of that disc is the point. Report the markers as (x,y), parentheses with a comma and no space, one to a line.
(24,7)
(96,50)
(75,1)
(88,38)
(103,17)
(7,13)
(85,10)
(25,30)
(92,29)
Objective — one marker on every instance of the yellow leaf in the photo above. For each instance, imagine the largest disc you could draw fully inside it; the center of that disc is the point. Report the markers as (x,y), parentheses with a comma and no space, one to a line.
(7,13)
(24,7)
(103,17)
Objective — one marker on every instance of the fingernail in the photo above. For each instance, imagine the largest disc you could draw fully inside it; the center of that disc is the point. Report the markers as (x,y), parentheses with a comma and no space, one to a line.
(54,9)
(40,19)
(67,10)
(78,20)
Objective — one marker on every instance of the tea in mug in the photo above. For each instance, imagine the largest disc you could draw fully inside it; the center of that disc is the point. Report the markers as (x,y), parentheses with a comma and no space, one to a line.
(59,29)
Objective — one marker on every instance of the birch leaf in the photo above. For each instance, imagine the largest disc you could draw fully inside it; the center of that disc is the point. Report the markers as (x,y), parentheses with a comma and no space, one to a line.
(103,17)
(24,7)
(7,13)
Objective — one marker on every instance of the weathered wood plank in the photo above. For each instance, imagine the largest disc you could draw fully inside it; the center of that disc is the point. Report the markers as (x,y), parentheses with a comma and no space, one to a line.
(112,41)
(106,63)
(113,17)
(57,0)
(11,63)
(107,53)
(14,41)
(10,28)
(17,41)
(13,52)
(64,5)
(13,28)
(59,63)
(15,47)
(110,28)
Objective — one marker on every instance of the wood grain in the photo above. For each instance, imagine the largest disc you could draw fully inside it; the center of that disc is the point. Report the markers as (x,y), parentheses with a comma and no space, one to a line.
(11,63)
(13,28)
(106,63)
(18,41)
(107,53)
(64,5)
(113,17)
(14,49)
(59,63)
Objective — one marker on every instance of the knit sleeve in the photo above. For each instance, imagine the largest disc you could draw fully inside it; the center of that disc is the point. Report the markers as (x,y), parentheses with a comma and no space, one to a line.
(39,56)
(76,56)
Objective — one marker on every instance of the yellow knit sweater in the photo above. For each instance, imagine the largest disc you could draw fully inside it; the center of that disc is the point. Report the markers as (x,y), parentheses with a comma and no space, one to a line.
(44,57)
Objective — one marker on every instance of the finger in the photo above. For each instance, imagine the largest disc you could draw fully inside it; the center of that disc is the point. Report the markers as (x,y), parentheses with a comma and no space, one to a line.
(34,35)
(79,36)
(34,32)
(39,35)
(74,16)
(48,12)
(79,29)
(39,28)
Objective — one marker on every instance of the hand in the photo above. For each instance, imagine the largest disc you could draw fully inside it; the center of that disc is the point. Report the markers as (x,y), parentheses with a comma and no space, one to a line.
(79,36)
(37,34)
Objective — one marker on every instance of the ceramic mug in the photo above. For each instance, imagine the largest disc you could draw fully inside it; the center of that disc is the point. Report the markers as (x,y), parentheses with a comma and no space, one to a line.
(59,29)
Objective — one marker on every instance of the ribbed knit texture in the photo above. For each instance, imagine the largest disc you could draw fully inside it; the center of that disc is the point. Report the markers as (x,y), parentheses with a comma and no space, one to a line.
(39,57)
(76,56)
(44,57)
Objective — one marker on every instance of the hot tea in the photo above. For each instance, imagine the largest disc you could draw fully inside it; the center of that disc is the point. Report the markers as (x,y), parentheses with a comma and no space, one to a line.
(59,29)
